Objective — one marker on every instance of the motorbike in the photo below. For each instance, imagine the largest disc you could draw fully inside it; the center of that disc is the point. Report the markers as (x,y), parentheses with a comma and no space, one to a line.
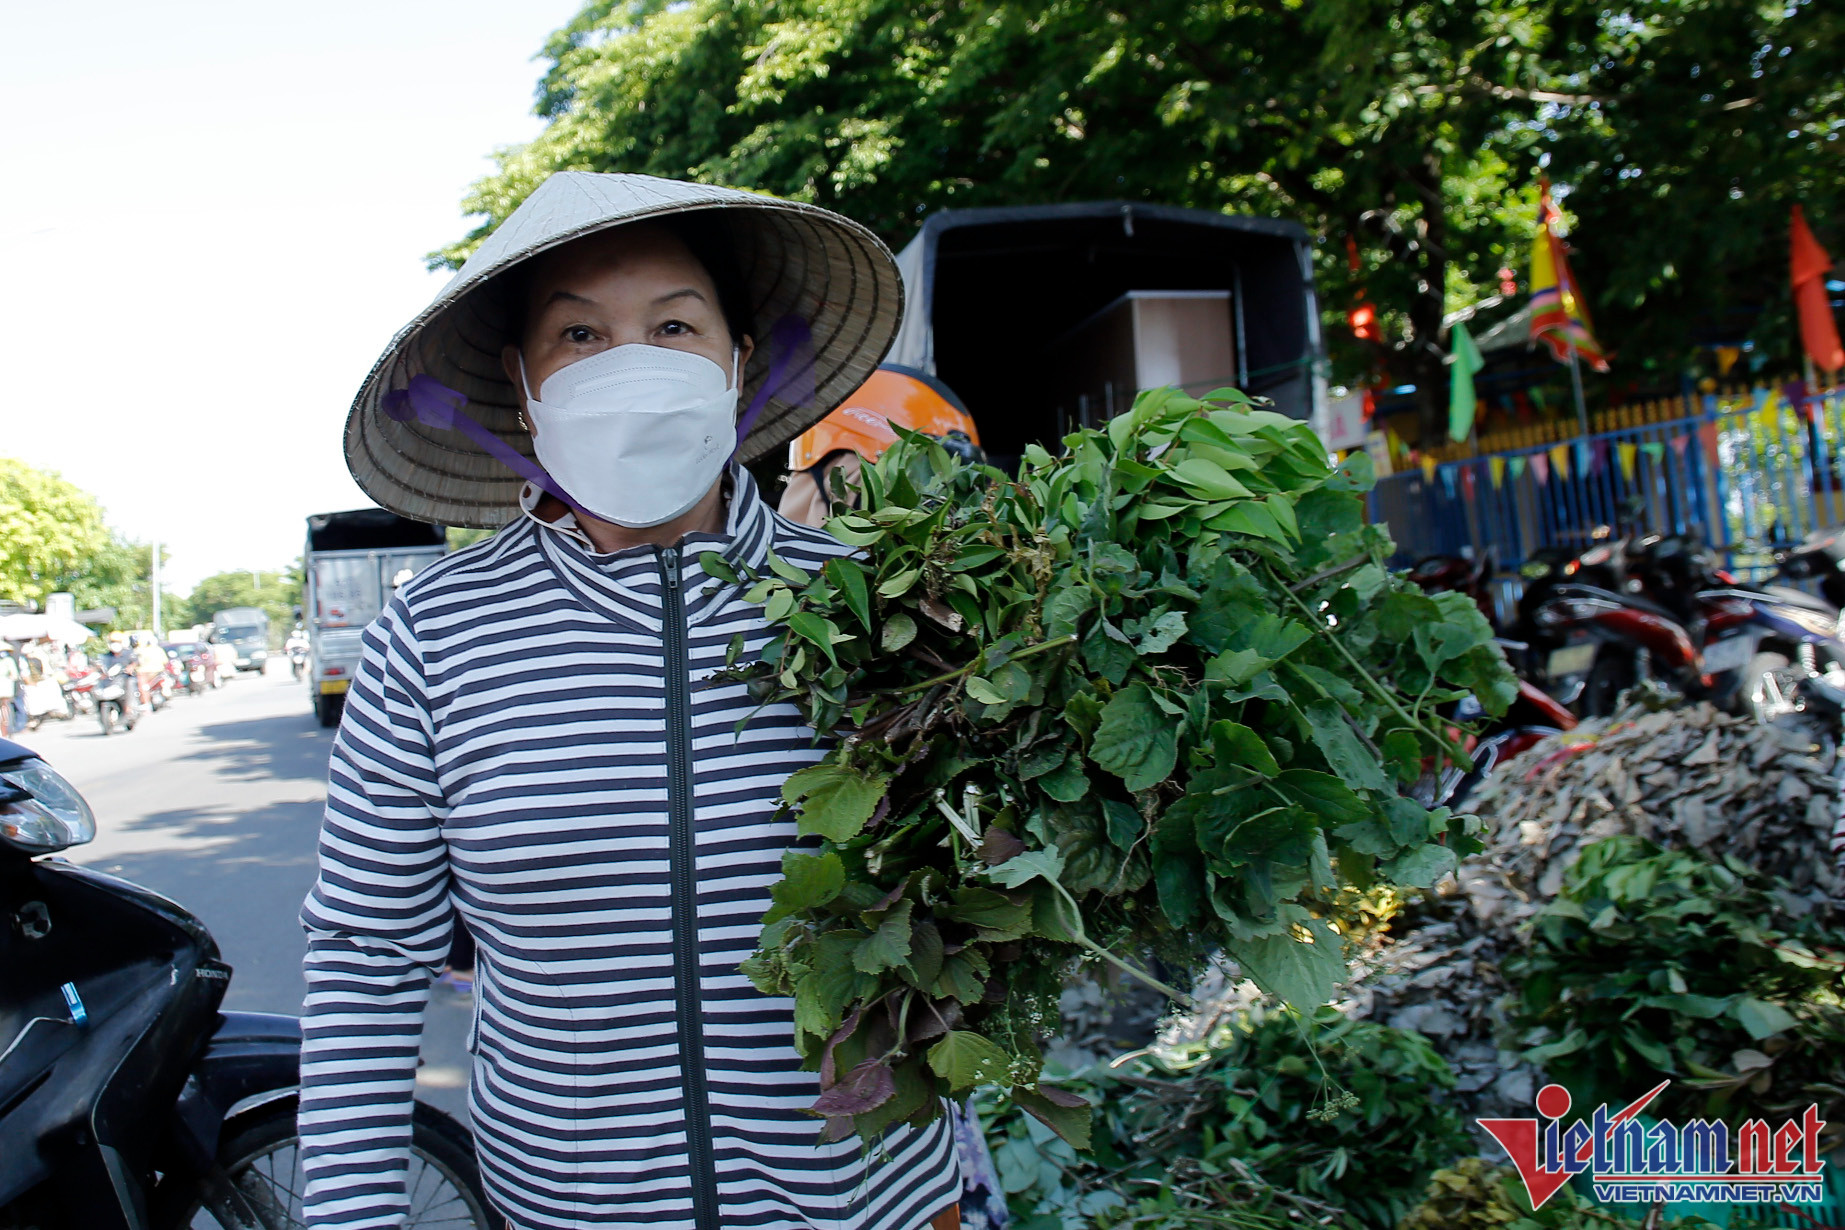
(1532,715)
(128,1099)
(80,690)
(1820,559)
(297,660)
(1584,636)
(117,692)
(1767,650)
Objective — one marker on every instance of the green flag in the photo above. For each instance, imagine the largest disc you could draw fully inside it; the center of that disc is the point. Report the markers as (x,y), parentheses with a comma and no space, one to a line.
(1464,361)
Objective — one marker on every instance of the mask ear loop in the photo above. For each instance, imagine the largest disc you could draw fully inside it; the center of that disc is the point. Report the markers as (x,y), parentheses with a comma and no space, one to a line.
(433,404)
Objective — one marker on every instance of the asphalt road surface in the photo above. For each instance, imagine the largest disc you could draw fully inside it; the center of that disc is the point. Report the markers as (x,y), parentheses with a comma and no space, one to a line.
(216,802)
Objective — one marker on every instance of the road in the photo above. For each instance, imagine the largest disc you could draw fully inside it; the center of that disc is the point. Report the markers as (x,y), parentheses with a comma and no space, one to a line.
(215,802)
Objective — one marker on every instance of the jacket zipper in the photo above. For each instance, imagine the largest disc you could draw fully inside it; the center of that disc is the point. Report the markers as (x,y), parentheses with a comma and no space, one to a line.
(683,865)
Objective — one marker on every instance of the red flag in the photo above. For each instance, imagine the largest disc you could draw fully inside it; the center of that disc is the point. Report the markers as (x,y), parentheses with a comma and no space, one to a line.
(1818,330)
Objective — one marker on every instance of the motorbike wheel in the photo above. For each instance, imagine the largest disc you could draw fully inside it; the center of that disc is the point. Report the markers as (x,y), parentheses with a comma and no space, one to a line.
(1611,675)
(107,715)
(261,1156)
(1770,687)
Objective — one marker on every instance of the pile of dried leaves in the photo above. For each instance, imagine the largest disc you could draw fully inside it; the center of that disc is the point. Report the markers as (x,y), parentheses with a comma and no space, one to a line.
(1688,778)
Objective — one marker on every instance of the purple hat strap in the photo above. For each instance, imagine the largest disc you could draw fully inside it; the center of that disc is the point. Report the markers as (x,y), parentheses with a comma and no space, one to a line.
(791,371)
(433,404)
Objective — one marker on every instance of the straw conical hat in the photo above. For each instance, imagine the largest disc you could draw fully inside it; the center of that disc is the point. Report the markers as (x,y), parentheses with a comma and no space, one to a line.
(795,259)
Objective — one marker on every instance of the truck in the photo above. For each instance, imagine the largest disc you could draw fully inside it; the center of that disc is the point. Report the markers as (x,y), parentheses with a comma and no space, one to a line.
(353,564)
(244,631)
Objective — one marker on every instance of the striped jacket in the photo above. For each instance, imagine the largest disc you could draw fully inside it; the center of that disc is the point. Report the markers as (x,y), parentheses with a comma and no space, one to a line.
(532,739)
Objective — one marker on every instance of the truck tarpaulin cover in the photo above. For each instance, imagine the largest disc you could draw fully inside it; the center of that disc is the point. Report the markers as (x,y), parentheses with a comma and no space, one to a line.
(370,529)
(987,290)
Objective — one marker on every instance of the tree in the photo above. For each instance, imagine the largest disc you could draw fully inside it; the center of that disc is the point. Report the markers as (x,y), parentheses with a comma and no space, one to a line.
(1415,128)
(277,593)
(54,539)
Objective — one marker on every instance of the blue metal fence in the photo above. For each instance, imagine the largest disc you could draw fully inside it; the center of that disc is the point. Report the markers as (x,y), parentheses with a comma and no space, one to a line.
(1744,472)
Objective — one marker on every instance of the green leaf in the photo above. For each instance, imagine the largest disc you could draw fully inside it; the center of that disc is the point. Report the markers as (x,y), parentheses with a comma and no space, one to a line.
(984,691)
(715,565)
(1347,756)
(1208,479)
(1324,795)
(889,946)
(1067,783)
(1237,744)
(817,631)
(786,571)
(964,1059)
(961,978)
(1420,866)
(849,577)
(1029,866)
(998,916)
(1066,608)
(1135,741)
(1069,1122)
(1303,974)
(781,601)
(834,801)
(899,630)
(899,585)
(1158,636)
(808,882)
(1760,1018)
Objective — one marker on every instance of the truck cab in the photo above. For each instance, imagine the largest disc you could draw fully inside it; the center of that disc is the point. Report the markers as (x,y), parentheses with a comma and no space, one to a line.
(245,631)
(353,564)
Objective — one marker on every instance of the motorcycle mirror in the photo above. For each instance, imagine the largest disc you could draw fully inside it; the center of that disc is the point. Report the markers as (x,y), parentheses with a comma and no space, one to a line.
(40,812)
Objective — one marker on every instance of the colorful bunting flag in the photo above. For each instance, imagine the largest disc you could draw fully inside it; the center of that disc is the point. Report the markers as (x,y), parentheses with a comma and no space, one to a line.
(1447,481)
(1517,466)
(1582,458)
(1428,468)
(1560,459)
(1679,443)
(1600,453)
(1629,453)
(1559,316)
(1819,332)
(1540,466)
(1653,449)
(1496,469)
(1463,361)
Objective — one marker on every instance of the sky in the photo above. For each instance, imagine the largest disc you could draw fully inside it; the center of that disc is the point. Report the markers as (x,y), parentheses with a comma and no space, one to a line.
(214,218)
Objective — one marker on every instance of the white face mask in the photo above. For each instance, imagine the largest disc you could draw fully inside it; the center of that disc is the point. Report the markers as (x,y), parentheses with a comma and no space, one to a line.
(636,434)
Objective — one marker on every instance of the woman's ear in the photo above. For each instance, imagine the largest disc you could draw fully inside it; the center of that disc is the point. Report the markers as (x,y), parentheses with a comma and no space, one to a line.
(745,349)
(514,369)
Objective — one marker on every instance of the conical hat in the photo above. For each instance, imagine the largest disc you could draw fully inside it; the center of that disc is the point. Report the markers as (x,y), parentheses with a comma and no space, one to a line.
(796,261)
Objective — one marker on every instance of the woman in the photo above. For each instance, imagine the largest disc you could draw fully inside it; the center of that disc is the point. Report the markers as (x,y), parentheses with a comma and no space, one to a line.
(532,736)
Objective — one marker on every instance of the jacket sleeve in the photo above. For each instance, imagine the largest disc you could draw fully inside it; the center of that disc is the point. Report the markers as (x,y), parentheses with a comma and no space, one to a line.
(378,923)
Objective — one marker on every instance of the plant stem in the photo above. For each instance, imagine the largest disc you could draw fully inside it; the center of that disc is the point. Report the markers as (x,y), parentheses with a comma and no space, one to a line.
(1176,996)
(1054,643)
(1315,622)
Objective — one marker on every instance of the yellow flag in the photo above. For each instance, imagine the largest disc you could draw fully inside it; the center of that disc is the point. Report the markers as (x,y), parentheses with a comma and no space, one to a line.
(1769,416)
(1560,460)
(1428,468)
(1497,467)
(1629,453)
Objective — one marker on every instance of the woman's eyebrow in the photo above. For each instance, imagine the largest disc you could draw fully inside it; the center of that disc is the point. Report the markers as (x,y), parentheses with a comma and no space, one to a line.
(572,296)
(687,292)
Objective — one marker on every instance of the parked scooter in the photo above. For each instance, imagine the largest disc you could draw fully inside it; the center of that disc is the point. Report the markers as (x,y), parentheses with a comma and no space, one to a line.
(1820,559)
(1769,650)
(128,1100)
(117,693)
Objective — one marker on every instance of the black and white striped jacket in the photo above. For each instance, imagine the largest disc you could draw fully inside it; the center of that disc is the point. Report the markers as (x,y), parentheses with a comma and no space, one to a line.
(531,738)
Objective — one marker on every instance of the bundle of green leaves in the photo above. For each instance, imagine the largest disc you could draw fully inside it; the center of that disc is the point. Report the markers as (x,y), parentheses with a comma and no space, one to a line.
(1153,700)
(1653,963)
(1237,1132)
(1474,1194)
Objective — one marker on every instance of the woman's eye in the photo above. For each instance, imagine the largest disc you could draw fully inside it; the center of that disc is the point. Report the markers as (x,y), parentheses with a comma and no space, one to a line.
(579,334)
(675,328)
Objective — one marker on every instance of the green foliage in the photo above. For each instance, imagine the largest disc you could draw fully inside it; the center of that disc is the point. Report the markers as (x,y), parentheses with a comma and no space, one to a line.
(1240,1124)
(277,593)
(56,540)
(1679,132)
(1126,706)
(1652,964)
(1476,1195)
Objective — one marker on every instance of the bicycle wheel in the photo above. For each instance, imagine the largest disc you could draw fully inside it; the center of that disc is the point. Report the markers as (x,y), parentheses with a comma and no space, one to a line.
(262,1159)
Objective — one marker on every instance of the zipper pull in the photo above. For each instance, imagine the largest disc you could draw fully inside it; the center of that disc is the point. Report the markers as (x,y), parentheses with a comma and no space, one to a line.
(669,562)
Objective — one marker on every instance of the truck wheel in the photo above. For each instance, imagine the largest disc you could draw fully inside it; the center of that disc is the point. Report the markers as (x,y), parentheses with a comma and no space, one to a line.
(328,709)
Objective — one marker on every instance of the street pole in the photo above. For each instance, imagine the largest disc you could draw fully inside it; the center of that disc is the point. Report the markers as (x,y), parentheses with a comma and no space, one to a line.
(154,584)
(1582,413)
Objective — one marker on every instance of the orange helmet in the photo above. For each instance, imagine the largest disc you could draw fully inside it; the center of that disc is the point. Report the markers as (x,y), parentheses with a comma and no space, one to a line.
(893,394)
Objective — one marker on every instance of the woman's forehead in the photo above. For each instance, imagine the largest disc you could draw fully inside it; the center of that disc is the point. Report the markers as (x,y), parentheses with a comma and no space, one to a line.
(639,250)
